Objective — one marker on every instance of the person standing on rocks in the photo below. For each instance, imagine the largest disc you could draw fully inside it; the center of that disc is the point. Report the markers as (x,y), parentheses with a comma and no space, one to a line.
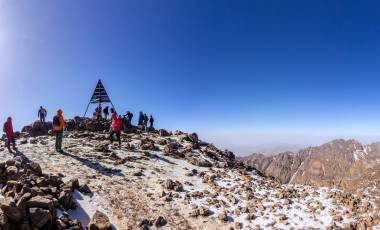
(129,117)
(151,121)
(116,127)
(145,120)
(106,112)
(8,130)
(141,119)
(42,114)
(58,127)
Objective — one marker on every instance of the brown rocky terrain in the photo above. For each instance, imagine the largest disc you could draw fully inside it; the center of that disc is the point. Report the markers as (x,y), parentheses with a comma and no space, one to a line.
(157,180)
(340,163)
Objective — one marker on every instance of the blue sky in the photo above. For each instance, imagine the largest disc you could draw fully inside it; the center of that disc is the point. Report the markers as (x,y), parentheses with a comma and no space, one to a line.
(225,69)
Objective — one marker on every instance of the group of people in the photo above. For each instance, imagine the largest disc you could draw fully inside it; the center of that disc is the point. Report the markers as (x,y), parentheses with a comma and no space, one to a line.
(143,120)
(59,125)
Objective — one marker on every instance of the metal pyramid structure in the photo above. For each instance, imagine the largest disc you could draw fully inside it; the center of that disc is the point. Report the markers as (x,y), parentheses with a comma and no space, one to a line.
(99,96)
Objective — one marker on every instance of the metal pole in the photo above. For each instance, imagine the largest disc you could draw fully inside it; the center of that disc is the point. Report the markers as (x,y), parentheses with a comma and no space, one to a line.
(86,110)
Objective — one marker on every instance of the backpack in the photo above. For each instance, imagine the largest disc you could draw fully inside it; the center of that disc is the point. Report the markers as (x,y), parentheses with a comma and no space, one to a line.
(56,121)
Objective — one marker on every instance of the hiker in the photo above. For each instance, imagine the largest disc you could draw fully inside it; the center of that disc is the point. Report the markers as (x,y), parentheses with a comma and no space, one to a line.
(58,127)
(151,121)
(116,127)
(141,119)
(42,114)
(129,117)
(8,130)
(145,120)
(99,112)
(106,112)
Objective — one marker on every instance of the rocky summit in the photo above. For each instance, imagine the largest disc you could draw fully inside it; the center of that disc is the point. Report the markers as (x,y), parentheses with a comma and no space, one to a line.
(160,180)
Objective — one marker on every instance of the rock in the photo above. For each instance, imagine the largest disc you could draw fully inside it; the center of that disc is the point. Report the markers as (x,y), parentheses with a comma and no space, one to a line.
(12,173)
(223,217)
(104,148)
(163,133)
(8,206)
(38,129)
(160,222)
(138,173)
(193,137)
(40,218)
(238,225)
(40,202)
(66,200)
(198,162)
(99,221)
(85,189)
(204,211)
(4,222)
(36,168)
(173,185)
(171,148)
(73,184)
(33,141)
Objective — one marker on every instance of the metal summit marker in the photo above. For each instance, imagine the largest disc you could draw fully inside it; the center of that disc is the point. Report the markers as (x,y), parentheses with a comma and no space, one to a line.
(99,96)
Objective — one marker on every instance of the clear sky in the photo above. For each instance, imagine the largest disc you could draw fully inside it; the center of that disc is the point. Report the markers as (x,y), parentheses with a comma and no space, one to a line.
(266,70)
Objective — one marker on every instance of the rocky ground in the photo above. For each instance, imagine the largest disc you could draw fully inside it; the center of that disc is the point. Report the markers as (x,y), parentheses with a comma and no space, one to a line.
(161,180)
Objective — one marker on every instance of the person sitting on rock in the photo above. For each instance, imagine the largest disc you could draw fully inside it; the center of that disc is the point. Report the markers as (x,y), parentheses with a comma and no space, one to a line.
(106,112)
(141,119)
(116,127)
(151,121)
(58,127)
(42,114)
(8,130)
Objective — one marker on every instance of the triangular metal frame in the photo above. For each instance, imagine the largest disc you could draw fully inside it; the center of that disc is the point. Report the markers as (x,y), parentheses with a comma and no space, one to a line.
(99,96)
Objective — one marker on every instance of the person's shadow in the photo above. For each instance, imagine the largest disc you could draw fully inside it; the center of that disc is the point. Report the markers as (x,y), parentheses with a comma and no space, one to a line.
(94,165)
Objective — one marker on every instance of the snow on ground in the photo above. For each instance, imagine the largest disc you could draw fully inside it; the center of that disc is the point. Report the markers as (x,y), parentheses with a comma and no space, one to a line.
(130,191)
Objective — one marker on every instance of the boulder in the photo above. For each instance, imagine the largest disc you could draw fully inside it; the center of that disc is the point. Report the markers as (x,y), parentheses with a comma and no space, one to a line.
(173,185)
(163,133)
(193,137)
(66,200)
(38,129)
(40,218)
(8,206)
(99,221)
(40,202)
(160,222)
(85,189)
(5,224)
(198,161)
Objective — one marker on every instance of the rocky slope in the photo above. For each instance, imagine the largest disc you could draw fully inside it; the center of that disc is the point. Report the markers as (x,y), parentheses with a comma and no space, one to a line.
(334,164)
(161,180)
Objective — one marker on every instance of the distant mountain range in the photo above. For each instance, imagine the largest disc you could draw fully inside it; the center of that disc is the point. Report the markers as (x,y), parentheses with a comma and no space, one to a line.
(340,163)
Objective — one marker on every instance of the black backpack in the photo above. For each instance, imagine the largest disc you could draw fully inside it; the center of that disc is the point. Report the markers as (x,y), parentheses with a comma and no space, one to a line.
(56,121)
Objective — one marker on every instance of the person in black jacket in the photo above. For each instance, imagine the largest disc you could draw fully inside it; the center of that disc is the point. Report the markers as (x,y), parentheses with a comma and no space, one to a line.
(151,121)
(141,119)
(106,112)
(42,114)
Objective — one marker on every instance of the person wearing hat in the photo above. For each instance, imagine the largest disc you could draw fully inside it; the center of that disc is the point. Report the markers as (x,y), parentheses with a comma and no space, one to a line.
(58,127)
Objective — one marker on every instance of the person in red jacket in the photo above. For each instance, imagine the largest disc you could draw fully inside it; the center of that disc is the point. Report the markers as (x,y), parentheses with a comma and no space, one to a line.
(8,130)
(116,127)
